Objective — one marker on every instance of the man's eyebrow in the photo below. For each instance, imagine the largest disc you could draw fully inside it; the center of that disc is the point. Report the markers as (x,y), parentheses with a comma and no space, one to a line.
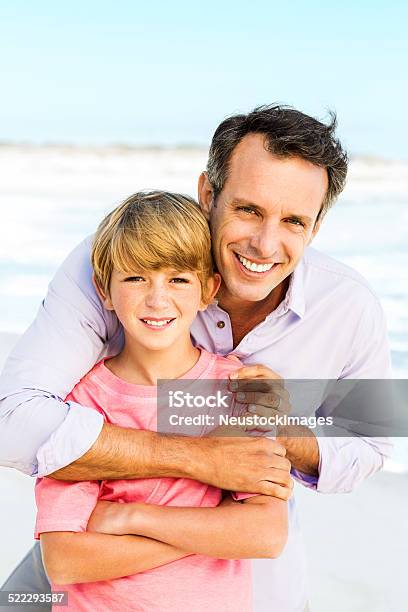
(242,202)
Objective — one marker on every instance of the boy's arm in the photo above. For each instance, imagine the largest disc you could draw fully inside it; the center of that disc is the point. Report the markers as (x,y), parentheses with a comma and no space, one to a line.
(88,557)
(73,555)
(257,527)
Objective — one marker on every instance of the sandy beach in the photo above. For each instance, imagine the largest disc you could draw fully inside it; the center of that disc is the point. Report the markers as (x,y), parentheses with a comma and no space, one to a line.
(356,544)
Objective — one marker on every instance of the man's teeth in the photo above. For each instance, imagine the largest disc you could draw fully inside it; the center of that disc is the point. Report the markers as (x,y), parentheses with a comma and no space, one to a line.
(157,323)
(250,265)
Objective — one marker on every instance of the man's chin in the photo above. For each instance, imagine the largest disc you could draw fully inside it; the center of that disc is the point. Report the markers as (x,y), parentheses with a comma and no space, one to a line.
(249,294)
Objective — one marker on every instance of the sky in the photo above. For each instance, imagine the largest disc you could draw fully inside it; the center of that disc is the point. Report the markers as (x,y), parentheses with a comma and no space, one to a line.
(168,72)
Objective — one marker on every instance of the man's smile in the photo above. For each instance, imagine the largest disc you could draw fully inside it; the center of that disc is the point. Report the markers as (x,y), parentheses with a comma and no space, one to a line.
(251,266)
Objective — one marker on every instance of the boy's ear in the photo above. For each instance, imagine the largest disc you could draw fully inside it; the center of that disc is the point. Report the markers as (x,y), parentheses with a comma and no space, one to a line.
(105,299)
(213,285)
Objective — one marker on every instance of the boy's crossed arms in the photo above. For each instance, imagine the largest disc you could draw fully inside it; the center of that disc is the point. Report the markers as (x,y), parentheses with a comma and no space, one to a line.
(254,528)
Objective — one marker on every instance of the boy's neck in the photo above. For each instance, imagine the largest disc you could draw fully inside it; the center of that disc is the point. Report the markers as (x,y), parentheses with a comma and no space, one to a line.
(141,366)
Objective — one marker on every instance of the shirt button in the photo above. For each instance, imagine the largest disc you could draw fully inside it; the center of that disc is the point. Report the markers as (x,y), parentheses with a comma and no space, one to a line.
(221,324)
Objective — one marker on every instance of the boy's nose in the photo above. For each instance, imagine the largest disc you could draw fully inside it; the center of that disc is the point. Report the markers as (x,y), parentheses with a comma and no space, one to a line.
(157,298)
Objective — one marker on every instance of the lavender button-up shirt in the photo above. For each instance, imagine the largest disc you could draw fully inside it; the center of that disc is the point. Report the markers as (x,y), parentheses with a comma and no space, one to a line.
(329,326)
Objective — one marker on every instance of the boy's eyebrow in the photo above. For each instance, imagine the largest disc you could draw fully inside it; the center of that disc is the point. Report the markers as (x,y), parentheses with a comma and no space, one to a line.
(175,271)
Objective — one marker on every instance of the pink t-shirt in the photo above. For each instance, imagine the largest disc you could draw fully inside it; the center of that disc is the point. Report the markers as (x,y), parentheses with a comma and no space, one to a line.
(198,582)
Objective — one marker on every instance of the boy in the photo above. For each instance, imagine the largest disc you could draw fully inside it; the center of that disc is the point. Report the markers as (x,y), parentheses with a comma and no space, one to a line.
(153,267)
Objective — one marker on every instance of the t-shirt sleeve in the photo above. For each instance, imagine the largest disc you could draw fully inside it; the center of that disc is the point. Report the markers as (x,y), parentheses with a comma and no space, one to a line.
(64,506)
(237,496)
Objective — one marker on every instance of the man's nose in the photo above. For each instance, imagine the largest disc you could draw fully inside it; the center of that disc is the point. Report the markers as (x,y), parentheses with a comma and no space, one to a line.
(266,240)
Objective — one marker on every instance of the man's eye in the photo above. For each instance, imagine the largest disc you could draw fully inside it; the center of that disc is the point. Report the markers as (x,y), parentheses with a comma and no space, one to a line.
(247,209)
(178,279)
(297,222)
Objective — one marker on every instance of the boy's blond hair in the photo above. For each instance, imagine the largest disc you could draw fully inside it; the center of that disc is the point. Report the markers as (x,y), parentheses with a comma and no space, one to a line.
(153,230)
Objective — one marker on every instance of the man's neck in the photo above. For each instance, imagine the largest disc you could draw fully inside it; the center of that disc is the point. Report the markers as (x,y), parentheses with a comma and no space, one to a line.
(141,366)
(245,316)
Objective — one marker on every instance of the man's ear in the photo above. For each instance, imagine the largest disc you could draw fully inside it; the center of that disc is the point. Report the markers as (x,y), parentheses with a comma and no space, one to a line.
(105,299)
(213,285)
(205,194)
(316,229)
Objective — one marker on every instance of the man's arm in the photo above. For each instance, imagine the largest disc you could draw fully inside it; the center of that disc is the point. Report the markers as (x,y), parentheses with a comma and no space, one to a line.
(62,344)
(255,528)
(88,557)
(337,464)
(256,465)
(344,462)
(303,451)
(40,434)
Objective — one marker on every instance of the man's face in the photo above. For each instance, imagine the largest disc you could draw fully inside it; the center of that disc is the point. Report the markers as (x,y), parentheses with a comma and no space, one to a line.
(263,219)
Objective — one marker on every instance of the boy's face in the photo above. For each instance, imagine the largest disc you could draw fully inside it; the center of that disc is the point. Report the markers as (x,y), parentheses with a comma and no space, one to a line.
(156,307)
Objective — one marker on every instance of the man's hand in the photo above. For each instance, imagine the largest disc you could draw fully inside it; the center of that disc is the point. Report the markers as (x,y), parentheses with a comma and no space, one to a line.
(247,464)
(262,390)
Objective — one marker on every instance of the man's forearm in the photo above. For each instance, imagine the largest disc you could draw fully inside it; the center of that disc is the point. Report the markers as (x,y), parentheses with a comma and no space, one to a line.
(238,464)
(88,557)
(121,453)
(302,451)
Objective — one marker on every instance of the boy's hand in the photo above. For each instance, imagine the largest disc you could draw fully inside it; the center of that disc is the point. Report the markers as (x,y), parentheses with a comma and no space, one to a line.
(115,518)
(109,517)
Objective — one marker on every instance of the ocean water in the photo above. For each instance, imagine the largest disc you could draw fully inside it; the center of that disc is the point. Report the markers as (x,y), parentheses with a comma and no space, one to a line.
(52,197)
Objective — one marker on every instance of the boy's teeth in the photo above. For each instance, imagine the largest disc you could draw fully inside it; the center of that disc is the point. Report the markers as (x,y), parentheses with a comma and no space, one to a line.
(157,323)
(250,265)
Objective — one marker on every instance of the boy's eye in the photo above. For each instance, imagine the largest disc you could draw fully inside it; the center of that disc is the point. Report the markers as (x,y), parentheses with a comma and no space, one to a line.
(179,279)
(134,279)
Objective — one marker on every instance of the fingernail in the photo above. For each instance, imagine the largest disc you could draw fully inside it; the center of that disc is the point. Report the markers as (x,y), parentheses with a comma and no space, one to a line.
(251,408)
(234,386)
(240,396)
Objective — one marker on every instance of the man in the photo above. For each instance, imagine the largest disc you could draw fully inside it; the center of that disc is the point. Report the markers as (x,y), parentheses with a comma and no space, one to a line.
(271,177)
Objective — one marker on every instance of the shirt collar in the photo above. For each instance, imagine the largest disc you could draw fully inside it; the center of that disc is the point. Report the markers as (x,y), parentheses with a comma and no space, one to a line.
(295,295)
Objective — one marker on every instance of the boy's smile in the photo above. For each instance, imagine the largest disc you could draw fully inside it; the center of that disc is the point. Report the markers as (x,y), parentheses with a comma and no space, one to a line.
(156,324)
(155,307)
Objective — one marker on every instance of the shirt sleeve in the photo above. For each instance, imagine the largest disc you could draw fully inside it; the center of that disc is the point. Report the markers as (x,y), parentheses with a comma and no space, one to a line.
(39,432)
(64,506)
(346,461)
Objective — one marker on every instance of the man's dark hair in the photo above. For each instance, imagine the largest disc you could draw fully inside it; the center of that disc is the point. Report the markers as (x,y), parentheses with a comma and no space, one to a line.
(288,133)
